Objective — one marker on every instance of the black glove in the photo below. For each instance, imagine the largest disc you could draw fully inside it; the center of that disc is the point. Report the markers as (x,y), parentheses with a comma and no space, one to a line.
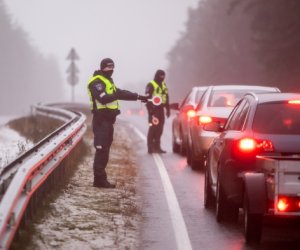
(143,98)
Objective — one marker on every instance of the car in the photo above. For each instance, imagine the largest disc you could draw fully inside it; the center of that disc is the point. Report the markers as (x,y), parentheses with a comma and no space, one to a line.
(215,105)
(185,111)
(261,128)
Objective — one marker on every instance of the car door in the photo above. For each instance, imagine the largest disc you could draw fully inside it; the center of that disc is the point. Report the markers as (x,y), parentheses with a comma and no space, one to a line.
(196,128)
(221,147)
(178,117)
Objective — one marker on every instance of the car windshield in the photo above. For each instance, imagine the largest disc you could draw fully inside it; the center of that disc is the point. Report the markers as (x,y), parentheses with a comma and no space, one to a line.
(228,98)
(277,118)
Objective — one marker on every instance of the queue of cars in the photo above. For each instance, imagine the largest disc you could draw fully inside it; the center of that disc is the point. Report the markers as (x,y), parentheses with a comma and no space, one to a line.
(247,141)
(215,104)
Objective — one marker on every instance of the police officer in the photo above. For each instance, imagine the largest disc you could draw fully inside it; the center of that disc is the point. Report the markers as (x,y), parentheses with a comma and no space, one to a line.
(104,96)
(158,92)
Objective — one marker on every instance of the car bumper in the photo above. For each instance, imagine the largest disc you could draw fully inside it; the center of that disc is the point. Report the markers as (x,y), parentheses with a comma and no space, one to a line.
(205,140)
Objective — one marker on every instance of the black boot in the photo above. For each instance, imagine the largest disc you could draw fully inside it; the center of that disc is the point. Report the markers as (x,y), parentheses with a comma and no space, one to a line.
(161,151)
(151,149)
(104,185)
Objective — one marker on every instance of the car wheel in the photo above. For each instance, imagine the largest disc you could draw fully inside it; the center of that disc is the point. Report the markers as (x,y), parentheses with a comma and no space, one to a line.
(196,164)
(175,146)
(252,223)
(221,201)
(182,147)
(188,156)
(208,196)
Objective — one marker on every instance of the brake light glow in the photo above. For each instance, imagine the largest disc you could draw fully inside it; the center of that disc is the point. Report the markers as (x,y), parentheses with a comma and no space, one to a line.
(265,145)
(250,145)
(282,204)
(297,102)
(247,145)
(191,113)
(205,119)
(288,204)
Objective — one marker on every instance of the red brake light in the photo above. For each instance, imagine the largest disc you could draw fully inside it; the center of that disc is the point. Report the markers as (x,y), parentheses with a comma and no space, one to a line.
(205,119)
(191,113)
(282,204)
(288,204)
(250,145)
(297,102)
(247,145)
(265,145)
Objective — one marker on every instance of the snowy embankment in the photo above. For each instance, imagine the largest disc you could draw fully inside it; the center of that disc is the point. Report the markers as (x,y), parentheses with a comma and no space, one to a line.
(11,142)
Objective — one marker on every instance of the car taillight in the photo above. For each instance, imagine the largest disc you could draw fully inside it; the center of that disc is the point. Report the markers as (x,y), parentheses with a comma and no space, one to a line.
(204,119)
(294,102)
(191,113)
(250,145)
(247,145)
(265,145)
(288,204)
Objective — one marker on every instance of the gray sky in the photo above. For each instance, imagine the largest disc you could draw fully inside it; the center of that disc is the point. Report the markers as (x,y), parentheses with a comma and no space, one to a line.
(136,34)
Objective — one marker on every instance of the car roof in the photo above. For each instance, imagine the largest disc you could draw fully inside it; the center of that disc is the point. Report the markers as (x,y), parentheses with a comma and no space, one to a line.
(234,87)
(200,87)
(275,97)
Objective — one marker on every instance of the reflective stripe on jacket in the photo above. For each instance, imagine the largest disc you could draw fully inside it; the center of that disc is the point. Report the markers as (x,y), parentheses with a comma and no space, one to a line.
(110,88)
(160,91)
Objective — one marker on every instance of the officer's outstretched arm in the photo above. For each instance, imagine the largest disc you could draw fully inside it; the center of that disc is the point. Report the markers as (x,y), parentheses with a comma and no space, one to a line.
(126,95)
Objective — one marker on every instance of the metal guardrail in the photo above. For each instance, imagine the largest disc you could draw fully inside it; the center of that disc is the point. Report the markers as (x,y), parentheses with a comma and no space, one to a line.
(21,179)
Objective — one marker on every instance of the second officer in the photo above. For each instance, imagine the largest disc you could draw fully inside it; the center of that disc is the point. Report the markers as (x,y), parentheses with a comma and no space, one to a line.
(157,88)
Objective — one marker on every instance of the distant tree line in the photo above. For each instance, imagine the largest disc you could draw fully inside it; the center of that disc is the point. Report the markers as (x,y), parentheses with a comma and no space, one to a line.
(26,76)
(238,42)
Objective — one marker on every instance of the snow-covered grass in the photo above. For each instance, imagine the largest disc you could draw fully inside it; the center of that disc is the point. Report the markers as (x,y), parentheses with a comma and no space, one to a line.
(11,142)
(80,216)
(85,217)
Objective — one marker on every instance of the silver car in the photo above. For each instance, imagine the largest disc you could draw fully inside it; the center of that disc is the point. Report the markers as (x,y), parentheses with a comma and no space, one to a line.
(215,106)
(184,112)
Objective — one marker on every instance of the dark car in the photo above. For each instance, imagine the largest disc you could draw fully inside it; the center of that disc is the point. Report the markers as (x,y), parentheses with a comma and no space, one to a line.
(180,122)
(215,105)
(261,125)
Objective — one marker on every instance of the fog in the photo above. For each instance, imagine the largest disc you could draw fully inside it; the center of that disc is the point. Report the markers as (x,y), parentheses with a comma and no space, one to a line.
(136,34)
(197,42)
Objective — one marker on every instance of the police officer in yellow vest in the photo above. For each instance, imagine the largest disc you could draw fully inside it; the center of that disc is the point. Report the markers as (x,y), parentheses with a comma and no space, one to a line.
(157,90)
(104,96)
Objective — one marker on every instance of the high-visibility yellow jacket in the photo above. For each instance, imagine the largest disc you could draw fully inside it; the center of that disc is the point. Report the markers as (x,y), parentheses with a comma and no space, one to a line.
(110,88)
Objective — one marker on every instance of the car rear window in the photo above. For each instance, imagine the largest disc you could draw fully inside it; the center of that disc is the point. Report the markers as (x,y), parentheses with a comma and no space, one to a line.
(277,118)
(228,98)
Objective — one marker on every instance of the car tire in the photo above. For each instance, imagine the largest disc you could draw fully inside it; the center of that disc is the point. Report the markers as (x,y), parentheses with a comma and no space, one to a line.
(182,146)
(182,149)
(252,223)
(188,156)
(221,203)
(175,146)
(208,196)
(196,164)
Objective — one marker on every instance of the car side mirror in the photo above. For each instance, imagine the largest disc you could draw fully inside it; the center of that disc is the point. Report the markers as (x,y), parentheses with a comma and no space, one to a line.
(174,106)
(213,126)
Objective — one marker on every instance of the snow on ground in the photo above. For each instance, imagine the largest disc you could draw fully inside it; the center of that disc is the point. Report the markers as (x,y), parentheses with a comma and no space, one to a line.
(85,217)
(11,142)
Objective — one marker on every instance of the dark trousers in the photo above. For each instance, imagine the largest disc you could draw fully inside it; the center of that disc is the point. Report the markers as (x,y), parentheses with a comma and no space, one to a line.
(155,131)
(103,137)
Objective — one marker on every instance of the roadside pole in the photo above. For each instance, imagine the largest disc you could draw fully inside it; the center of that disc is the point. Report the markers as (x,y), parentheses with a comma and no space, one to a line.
(72,72)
